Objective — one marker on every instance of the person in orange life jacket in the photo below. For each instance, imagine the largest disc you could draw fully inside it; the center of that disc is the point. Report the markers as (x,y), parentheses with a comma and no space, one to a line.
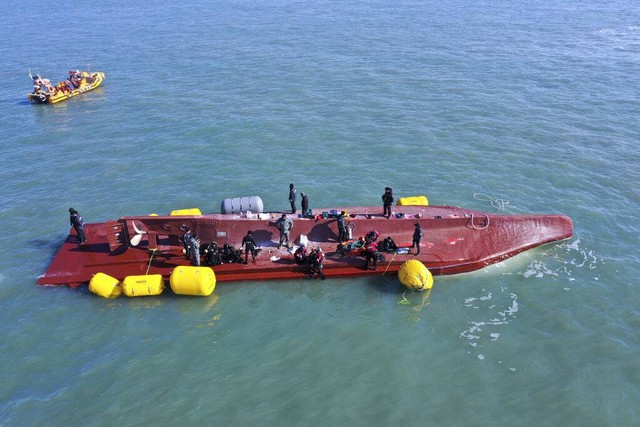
(78,224)
(292,198)
(417,236)
(249,247)
(387,201)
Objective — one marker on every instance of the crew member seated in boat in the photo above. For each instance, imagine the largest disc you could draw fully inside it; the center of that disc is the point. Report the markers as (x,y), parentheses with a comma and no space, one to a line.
(301,255)
(73,79)
(249,247)
(64,86)
(37,84)
(316,259)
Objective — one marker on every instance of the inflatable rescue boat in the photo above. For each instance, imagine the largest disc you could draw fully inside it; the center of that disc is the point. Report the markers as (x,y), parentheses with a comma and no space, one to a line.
(455,240)
(78,82)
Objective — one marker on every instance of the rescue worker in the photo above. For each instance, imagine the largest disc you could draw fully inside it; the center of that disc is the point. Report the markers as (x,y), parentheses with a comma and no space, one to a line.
(342,228)
(195,251)
(187,239)
(78,224)
(292,198)
(284,225)
(316,259)
(213,256)
(249,247)
(417,236)
(371,236)
(388,245)
(301,255)
(306,212)
(371,254)
(387,201)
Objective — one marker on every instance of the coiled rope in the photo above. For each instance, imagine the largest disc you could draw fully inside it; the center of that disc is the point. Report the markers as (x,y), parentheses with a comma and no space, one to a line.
(499,204)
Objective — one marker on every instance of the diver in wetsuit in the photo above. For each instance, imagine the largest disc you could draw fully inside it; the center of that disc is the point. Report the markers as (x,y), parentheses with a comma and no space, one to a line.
(292,198)
(387,201)
(249,247)
(417,236)
(78,224)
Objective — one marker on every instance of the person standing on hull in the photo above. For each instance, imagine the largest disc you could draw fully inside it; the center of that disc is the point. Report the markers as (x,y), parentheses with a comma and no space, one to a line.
(292,198)
(187,242)
(195,251)
(371,254)
(306,212)
(249,247)
(342,227)
(284,225)
(387,201)
(78,224)
(417,236)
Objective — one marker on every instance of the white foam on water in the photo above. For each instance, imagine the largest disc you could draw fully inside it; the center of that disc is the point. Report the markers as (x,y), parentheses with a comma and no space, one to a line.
(485,329)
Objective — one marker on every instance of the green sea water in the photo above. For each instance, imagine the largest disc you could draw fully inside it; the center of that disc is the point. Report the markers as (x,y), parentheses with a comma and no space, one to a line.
(516,107)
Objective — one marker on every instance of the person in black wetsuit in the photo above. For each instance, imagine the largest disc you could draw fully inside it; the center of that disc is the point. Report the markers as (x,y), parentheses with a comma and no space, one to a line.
(78,224)
(417,236)
(342,227)
(387,201)
(306,212)
(316,259)
(249,247)
(187,242)
(292,198)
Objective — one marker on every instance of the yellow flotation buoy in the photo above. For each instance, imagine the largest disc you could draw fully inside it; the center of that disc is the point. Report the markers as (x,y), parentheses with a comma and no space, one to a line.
(105,286)
(414,275)
(186,212)
(143,286)
(413,201)
(188,280)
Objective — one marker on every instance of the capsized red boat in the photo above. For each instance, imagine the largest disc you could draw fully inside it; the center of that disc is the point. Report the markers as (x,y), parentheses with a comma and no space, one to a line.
(456,240)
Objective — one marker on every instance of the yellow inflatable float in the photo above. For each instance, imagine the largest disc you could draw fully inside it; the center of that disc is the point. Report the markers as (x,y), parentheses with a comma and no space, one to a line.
(188,280)
(414,275)
(143,286)
(413,201)
(186,212)
(105,286)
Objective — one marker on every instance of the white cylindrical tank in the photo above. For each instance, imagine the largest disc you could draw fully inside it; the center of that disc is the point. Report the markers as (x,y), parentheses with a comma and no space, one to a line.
(242,204)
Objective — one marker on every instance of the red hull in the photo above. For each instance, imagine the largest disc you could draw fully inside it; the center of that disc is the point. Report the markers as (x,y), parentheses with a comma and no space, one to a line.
(455,240)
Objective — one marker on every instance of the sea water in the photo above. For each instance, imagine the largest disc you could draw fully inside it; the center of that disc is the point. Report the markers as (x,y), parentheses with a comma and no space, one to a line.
(502,106)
